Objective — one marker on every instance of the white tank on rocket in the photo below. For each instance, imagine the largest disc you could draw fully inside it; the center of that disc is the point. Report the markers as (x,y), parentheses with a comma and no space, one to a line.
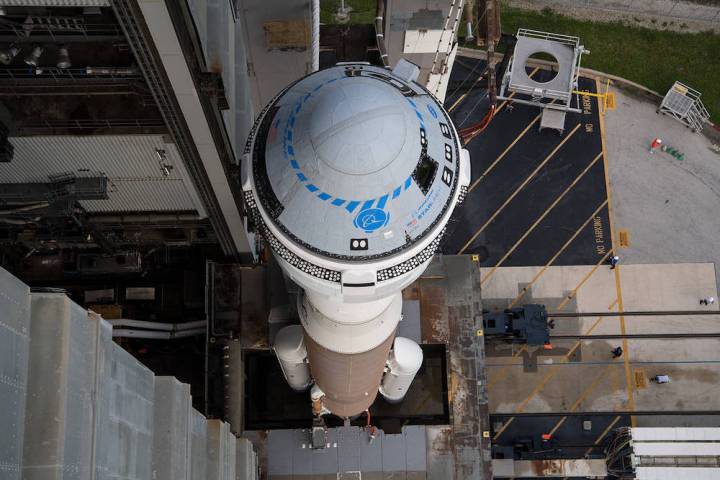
(291,353)
(403,363)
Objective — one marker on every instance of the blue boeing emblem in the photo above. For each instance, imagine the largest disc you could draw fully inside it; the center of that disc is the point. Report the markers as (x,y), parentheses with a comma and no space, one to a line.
(371,219)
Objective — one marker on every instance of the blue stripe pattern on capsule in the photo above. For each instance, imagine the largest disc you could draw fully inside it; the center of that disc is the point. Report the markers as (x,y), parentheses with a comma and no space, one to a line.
(289,152)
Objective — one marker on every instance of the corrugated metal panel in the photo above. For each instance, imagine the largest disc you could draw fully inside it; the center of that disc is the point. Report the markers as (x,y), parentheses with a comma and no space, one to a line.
(131,163)
(677,473)
(675,434)
(143,195)
(675,449)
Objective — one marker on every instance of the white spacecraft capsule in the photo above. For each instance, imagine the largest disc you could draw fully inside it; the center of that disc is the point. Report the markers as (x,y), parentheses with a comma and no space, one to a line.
(351,175)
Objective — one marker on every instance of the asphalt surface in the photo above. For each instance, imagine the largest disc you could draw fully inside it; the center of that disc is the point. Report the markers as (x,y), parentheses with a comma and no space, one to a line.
(536,197)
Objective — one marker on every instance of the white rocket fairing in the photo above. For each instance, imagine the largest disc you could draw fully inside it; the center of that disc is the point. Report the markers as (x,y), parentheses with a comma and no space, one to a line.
(351,175)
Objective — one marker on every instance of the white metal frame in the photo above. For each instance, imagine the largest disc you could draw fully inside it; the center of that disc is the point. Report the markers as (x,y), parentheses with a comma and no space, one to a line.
(684,104)
(564,97)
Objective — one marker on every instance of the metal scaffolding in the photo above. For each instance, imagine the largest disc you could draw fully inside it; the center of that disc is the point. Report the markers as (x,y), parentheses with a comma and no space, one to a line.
(684,104)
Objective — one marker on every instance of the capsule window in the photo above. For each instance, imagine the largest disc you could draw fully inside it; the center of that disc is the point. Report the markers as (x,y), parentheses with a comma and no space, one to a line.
(425,171)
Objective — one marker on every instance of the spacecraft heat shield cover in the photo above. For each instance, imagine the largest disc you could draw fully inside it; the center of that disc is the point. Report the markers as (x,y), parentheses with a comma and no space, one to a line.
(355,164)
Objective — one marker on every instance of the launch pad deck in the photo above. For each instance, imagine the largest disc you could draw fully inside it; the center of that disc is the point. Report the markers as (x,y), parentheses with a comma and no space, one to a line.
(449,298)
(535,196)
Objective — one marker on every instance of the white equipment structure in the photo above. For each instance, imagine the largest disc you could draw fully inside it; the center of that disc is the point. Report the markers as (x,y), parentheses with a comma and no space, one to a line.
(684,104)
(555,96)
(405,360)
(351,175)
(665,453)
(290,351)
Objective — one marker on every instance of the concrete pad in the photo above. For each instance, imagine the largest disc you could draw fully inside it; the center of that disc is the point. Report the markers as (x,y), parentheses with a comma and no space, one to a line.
(668,206)
(581,375)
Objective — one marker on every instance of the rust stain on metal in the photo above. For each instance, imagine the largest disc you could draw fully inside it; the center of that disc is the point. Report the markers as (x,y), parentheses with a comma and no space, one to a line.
(546,468)
(287,34)
(434,325)
(442,443)
(216,66)
(412,292)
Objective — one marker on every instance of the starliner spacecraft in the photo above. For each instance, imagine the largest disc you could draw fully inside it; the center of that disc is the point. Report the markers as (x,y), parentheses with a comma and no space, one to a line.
(351,175)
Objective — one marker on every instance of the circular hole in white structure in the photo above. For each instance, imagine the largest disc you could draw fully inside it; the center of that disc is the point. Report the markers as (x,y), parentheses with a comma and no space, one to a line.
(543,75)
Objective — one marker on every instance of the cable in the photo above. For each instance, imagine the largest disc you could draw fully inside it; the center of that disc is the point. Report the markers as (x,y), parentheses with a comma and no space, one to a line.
(472,131)
(477,64)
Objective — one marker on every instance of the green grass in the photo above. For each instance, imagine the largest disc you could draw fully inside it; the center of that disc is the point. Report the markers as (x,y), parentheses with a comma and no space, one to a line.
(651,58)
(363,11)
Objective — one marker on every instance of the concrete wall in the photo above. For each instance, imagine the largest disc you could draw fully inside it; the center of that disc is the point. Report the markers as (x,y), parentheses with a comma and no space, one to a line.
(677,15)
(76,405)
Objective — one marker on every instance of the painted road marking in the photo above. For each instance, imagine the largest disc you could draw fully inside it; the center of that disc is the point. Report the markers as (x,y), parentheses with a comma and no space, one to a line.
(462,97)
(618,288)
(502,155)
(553,371)
(540,219)
(539,274)
(559,252)
(527,180)
(583,396)
(573,293)
(603,434)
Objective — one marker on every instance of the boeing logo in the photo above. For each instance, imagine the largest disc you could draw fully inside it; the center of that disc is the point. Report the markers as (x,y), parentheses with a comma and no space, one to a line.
(371,219)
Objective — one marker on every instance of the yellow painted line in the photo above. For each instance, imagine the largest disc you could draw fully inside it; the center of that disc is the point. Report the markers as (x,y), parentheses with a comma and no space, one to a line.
(628,380)
(612,305)
(540,219)
(501,373)
(462,97)
(582,397)
(522,185)
(618,287)
(559,252)
(548,376)
(567,355)
(611,216)
(553,371)
(591,387)
(572,294)
(503,428)
(589,94)
(502,155)
(557,425)
(579,342)
(603,434)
